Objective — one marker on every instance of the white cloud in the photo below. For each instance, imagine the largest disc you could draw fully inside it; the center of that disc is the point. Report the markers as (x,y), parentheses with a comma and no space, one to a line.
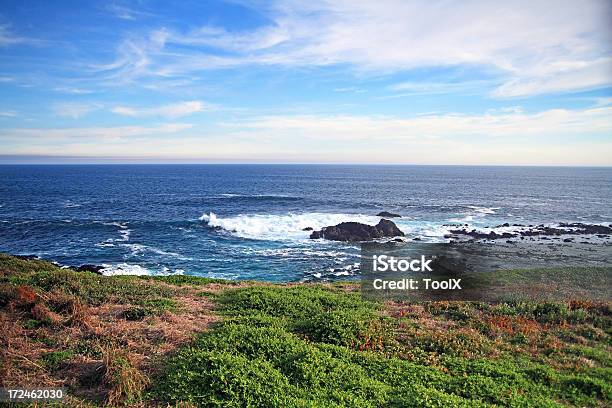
(125,13)
(8,114)
(503,136)
(169,111)
(584,75)
(92,133)
(72,90)
(540,46)
(74,110)
(7,38)
(510,123)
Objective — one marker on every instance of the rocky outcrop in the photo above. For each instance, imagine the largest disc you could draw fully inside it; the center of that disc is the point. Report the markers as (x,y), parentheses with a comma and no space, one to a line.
(356,231)
(388,214)
(542,231)
(90,268)
(481,235)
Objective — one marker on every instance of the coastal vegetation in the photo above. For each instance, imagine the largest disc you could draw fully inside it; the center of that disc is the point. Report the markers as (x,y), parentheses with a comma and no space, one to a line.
(188,341)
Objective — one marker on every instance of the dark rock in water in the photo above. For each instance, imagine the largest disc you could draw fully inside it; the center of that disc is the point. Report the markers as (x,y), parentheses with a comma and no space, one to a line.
(389,229)
(581,228)
(416,239)
(27,257)
(307,229)
(481,235)
(90,268)
(356,231)
(541,231)
(388,214)
(568,240)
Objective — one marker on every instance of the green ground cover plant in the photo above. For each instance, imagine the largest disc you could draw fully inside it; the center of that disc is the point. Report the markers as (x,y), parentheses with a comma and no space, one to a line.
(186,341)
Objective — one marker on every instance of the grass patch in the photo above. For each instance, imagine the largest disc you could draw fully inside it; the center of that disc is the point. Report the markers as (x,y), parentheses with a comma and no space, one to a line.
(315,346)
(180,280)
(54,359)
(294,345)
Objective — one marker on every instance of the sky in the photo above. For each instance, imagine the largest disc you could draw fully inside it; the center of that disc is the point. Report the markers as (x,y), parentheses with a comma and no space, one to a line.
(369,81)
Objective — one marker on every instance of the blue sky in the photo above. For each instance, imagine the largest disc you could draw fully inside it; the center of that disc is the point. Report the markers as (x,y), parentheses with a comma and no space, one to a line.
(421,82)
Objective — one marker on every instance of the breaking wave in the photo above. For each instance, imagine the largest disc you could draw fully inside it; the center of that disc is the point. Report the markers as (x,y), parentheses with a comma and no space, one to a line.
(475,213)
(135,270)
(291,226)
(280,227)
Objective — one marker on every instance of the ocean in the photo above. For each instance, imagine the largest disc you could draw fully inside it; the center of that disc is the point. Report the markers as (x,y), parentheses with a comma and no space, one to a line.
(247,221)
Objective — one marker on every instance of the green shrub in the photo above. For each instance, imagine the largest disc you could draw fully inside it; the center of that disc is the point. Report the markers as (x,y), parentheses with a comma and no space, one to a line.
(294,303)
(54,359)
(221,379)
(179,280)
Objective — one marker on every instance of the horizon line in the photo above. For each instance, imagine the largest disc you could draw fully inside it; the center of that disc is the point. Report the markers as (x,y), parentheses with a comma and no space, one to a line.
(58,160)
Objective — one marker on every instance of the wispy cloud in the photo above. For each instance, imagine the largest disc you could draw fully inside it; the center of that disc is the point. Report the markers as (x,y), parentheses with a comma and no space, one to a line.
(536,46)
(124,12)
(576,75)
(437,88)
(75,110)
(509,123)
(8,114)
(168,111)
(92,133)
(7,38)
(72,90)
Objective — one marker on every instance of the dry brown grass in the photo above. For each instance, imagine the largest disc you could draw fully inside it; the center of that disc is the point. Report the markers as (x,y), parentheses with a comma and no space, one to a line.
(111,358)
(124,381)
(511,325)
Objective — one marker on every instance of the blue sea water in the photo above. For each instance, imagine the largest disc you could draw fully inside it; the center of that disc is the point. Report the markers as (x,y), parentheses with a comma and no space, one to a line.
(247,221)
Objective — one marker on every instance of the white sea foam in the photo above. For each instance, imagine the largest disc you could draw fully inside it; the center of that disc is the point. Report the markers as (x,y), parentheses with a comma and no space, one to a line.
(475,212)
(296,252)
(260,196)
(427,230)
(105,244)
(114,223)
(281,227)
(137,249)
(70,204)
(348,270)
(124,269)
(467,218)
(125,234)
(483,210)
(290,227)
(136,270)
(123,231)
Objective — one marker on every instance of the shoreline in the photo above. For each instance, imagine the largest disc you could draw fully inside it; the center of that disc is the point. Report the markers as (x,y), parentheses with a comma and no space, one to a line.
(562,242)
